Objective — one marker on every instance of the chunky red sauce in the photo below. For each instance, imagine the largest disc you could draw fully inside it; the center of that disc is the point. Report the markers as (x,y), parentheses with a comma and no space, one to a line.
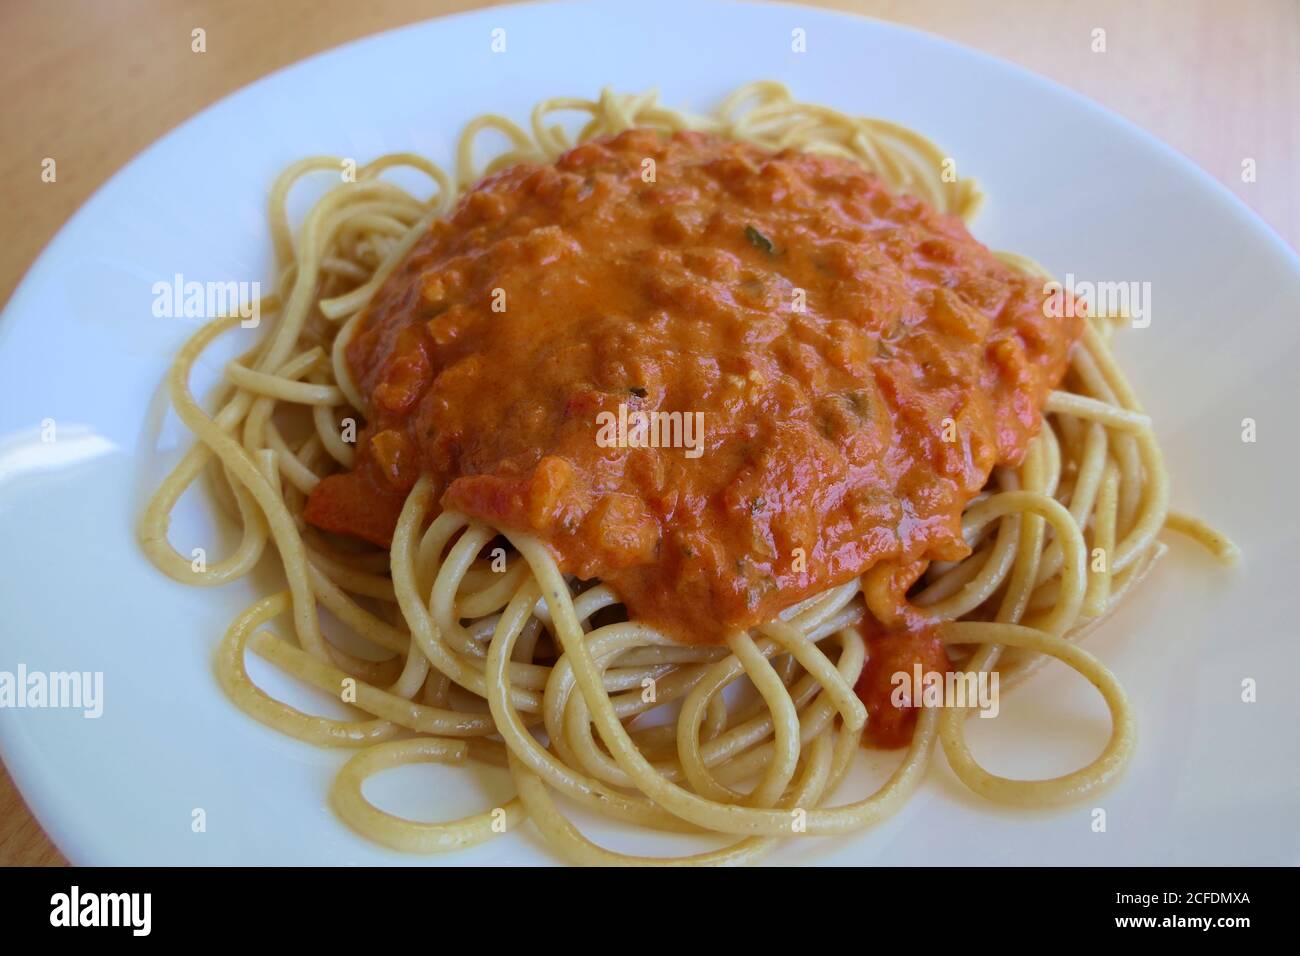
(825,328)
(892,652)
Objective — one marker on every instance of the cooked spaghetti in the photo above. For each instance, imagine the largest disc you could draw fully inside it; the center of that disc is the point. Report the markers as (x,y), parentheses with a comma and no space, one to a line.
(903,458)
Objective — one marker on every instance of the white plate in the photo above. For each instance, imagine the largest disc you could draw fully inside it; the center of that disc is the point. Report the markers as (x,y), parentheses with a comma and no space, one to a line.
(1214,779)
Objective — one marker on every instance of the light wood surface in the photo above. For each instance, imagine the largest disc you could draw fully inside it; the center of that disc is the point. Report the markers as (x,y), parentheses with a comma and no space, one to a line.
(93,82)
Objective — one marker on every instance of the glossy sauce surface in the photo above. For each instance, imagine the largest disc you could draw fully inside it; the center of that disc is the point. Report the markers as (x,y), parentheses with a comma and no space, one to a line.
(860,363)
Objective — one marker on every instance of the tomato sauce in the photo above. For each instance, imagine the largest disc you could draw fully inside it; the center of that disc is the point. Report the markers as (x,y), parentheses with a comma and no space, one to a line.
(889,653)
(861,364)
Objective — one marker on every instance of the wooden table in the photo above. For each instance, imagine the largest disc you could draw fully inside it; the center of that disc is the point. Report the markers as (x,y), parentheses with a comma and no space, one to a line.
(93,82)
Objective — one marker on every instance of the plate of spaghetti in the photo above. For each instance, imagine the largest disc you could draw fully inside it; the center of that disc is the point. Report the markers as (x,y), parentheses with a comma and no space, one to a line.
(594,464)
